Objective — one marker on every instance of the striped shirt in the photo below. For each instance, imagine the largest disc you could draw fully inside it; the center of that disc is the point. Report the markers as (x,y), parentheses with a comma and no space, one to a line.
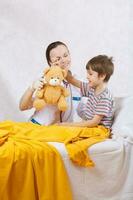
(92,104)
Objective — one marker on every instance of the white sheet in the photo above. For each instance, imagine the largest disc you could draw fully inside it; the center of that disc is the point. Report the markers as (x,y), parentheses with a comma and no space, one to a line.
(112,176)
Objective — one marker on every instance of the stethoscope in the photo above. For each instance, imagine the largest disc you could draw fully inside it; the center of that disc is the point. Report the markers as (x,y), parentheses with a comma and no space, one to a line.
(67,85)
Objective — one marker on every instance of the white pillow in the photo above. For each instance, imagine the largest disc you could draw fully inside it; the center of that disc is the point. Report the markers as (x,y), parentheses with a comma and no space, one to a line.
(123,117)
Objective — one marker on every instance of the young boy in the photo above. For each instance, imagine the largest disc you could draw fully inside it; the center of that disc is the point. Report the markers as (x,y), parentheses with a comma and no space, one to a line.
(96,106)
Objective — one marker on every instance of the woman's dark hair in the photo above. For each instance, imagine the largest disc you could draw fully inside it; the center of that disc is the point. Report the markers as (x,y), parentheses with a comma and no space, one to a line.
(52,46)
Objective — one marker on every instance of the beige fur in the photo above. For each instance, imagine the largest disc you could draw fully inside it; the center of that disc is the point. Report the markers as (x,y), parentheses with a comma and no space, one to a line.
(52,92)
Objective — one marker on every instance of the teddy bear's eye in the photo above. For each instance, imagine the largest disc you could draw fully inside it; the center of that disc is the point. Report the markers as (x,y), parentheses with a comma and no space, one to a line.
(57,77)
(52,77)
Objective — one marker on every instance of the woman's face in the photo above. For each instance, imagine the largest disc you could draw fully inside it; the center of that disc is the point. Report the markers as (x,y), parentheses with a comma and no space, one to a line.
(60,56)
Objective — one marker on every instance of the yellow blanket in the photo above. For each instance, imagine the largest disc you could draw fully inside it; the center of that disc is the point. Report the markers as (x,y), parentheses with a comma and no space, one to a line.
(32,169)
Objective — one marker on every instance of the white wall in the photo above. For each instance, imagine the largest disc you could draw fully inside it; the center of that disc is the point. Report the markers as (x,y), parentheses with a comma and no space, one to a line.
(88,27)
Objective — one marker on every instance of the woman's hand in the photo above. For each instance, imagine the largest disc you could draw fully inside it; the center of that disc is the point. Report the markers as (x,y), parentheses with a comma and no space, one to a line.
(38,84)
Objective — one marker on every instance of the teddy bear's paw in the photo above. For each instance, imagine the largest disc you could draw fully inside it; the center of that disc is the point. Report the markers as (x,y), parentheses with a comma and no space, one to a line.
(62,106)
(39,104)
(66,93)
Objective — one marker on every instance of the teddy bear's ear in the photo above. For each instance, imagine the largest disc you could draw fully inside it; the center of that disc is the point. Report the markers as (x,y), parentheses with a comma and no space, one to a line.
(46,70)
(64,72)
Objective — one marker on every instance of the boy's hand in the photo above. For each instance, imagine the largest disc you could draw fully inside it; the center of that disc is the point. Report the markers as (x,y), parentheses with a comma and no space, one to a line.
(69,75)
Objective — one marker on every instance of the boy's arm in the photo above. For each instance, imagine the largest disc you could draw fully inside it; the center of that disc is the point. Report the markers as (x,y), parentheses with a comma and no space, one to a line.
(88,123)
(73,80)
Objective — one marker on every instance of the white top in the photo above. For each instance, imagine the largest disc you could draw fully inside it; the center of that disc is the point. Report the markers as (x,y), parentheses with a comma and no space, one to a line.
(47,115)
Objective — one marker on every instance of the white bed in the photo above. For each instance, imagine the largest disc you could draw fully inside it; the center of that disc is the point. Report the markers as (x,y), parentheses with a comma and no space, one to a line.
(112,176)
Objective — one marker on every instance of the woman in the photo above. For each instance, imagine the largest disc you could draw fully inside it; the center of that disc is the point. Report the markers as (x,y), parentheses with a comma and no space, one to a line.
(57,54)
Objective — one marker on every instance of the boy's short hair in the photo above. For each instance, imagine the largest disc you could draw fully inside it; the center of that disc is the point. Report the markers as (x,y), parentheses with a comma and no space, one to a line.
(102,64)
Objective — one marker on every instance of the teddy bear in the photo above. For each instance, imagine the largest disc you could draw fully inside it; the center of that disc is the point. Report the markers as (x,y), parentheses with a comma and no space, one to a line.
(52,92)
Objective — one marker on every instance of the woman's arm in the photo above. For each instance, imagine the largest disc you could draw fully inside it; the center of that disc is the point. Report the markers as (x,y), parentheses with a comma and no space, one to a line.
(71,79)
(88,123)
(26,101)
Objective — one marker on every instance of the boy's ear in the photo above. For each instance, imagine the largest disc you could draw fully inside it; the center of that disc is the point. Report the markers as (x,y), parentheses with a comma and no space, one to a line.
(103,76)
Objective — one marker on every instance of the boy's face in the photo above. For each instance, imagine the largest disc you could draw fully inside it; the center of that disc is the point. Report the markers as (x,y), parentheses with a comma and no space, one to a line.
(60,56)
(94,78)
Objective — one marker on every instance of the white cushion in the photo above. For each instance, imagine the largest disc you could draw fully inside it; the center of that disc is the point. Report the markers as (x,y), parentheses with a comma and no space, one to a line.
(106,146)
(123,119)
